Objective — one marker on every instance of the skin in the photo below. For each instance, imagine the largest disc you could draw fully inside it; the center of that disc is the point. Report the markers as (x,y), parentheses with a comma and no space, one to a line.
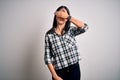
(61,17)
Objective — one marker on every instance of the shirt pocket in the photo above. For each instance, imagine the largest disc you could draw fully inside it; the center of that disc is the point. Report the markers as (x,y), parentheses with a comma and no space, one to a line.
(70,41)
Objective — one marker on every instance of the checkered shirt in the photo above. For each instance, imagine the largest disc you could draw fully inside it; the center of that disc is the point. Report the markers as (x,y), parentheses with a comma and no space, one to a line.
(61,50)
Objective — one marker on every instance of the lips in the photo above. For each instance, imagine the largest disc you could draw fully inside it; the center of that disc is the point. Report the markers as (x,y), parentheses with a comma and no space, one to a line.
(61,19)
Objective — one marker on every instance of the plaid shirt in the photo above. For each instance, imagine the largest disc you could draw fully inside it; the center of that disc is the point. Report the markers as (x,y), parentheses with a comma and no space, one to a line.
(61,50)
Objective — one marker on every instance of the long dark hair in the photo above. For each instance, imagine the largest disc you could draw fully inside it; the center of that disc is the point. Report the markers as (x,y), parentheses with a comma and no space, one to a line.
(67,25)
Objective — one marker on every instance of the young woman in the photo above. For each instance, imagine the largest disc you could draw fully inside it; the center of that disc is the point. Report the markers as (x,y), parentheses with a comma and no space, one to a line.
(61,53)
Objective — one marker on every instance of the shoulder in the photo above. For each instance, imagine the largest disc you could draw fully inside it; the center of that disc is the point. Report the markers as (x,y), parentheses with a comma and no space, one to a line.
(51,31)
(72,28)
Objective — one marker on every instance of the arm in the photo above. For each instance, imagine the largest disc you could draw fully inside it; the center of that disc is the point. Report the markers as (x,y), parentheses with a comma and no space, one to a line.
(77,22)
(54,74)
(63,14)
(47,59)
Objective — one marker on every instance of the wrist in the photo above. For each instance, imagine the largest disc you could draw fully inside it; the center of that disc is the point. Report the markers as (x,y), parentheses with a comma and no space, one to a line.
(55,76)
(69,17)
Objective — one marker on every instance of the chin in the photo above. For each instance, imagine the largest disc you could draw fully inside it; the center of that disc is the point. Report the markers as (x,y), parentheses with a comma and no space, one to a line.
(61,22)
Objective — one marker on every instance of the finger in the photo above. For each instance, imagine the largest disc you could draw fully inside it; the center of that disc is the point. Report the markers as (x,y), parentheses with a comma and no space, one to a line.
(58,14)
(55,13)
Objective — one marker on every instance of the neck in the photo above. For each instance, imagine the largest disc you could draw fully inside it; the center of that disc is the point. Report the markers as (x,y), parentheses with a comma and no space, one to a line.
(59,29)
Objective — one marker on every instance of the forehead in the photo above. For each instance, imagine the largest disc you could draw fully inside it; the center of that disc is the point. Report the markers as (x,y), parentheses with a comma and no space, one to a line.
(63,9)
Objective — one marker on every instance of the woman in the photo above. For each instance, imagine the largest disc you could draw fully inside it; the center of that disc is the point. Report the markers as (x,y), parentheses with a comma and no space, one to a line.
(61,53)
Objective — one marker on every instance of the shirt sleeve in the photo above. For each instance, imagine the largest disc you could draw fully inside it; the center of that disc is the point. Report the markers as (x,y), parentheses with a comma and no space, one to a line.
(47,55)
(78,30)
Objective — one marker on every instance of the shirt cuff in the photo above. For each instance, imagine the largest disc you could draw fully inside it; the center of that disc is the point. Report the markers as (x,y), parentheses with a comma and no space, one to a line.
(85,27)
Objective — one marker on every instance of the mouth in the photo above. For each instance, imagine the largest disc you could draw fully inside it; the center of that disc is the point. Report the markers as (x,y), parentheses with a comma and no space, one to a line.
(61,19)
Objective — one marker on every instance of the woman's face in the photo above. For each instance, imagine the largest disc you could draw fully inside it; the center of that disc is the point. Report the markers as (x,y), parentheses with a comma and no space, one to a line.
(63,13)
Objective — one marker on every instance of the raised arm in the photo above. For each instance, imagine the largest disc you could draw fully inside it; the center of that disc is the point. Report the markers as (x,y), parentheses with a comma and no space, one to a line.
(63,14)
(76,22)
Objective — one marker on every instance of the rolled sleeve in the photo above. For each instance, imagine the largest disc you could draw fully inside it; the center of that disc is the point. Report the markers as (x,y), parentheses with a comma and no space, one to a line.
(47,55)
(78,30)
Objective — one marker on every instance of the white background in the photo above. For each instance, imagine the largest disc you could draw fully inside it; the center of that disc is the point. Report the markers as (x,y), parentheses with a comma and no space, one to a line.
(23,25)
